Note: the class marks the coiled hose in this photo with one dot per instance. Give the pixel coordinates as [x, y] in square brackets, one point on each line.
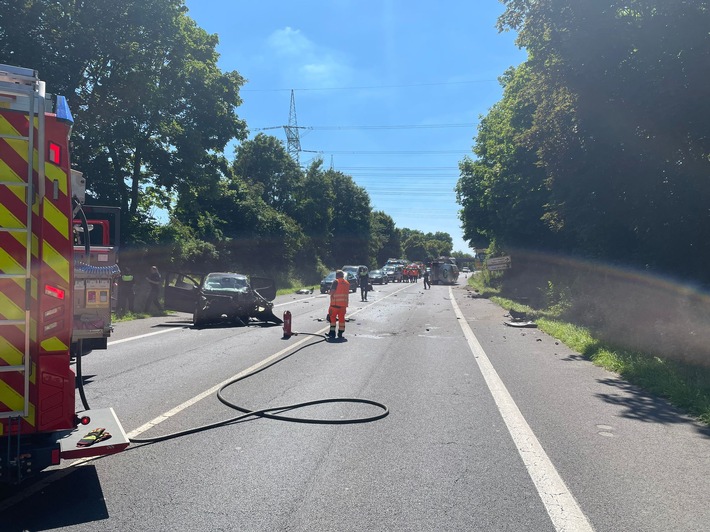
[270, 413]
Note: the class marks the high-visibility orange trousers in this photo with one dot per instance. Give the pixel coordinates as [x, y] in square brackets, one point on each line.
[339, 314]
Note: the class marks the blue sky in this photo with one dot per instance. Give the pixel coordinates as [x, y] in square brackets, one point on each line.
[387, 91]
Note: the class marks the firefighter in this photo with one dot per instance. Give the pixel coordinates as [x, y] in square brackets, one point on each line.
[126, 295]
[339, 293]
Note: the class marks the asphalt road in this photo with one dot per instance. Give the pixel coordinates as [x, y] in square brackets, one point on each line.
[489, 428]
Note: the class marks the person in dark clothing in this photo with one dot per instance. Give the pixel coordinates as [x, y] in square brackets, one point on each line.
[126, 294]
[155, 280]
[363, 280]
[427, 284]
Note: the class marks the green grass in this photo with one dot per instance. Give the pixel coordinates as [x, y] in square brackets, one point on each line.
[129, 316]
[685, 386]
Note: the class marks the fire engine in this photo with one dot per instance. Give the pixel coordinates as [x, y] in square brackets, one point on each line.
[54, 298]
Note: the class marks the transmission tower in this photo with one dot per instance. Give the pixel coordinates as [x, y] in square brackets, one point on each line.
[293, 138]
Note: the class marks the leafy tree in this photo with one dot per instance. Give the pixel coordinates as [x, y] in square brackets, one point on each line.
[385, 238]
[503, 191]
[266, 165]
[351, 220]
[420, 246]
[415, 247]
[620, 124]
[447, 243]
[314, 214]
[148, 99]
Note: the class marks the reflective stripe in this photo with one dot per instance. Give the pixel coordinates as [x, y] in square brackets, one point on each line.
[57, 218]
[54, 344]
[56, 261]
[339, 298]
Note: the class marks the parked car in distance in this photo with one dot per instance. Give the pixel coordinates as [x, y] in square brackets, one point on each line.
[326, 283]
[394, 273]
[350, 268]
[465, 269]
[378, 277]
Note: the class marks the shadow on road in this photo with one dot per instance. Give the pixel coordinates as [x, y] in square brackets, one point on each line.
[641, 405]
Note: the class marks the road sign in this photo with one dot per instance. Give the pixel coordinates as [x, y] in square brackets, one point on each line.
[499, 263]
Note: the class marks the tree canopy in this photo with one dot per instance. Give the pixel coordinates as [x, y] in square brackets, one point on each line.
[600, 144]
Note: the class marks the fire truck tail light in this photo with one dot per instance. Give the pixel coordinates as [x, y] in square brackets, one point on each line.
[55, 153]
[53, 291]
[56, 456]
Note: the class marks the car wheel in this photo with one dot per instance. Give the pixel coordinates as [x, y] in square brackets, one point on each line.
[198, 318]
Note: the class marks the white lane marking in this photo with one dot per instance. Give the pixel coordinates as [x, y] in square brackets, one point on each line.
[145, 335]
[64, 470]
[561, 506]
[115, 342]
[167, 415]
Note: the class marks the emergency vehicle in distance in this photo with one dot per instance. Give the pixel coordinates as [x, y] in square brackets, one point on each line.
[54, 298]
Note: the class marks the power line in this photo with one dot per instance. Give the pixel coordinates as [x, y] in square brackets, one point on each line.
[402, 86]
[403, 126]
[411, 152]
[400, 168]
[370, 128]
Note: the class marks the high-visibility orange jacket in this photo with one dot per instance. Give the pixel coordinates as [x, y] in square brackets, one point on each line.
[339, 296]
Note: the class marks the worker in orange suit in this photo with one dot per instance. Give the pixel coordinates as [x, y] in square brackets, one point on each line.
[339, 294]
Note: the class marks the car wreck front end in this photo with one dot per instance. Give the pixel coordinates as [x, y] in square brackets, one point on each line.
[222, 297]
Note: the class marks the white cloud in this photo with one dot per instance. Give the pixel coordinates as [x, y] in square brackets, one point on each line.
[289, 42]
[306, 63]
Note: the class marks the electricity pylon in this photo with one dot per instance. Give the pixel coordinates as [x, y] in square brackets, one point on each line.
[293, 138]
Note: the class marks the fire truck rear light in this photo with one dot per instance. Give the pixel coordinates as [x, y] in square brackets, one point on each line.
[53, 291]
[55, 153]
[55, 457]
[85, 420]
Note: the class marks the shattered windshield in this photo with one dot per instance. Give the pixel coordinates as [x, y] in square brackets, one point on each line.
[222, 282]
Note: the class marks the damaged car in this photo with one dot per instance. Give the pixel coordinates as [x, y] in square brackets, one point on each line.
[221, 297]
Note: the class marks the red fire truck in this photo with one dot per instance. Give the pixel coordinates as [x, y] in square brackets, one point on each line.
[51, 296]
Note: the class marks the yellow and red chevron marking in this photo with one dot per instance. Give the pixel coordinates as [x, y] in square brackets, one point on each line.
[51, 323]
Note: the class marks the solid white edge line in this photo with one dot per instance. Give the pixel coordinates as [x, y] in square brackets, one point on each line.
[561, 506]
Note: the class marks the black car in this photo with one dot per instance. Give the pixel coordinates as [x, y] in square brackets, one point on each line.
[327, 282]
[221, 297]
[378, 277]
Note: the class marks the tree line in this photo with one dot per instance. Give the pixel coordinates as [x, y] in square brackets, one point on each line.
[600, 145]
[153, 117]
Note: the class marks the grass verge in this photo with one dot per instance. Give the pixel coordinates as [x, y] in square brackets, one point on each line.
[685, 386]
